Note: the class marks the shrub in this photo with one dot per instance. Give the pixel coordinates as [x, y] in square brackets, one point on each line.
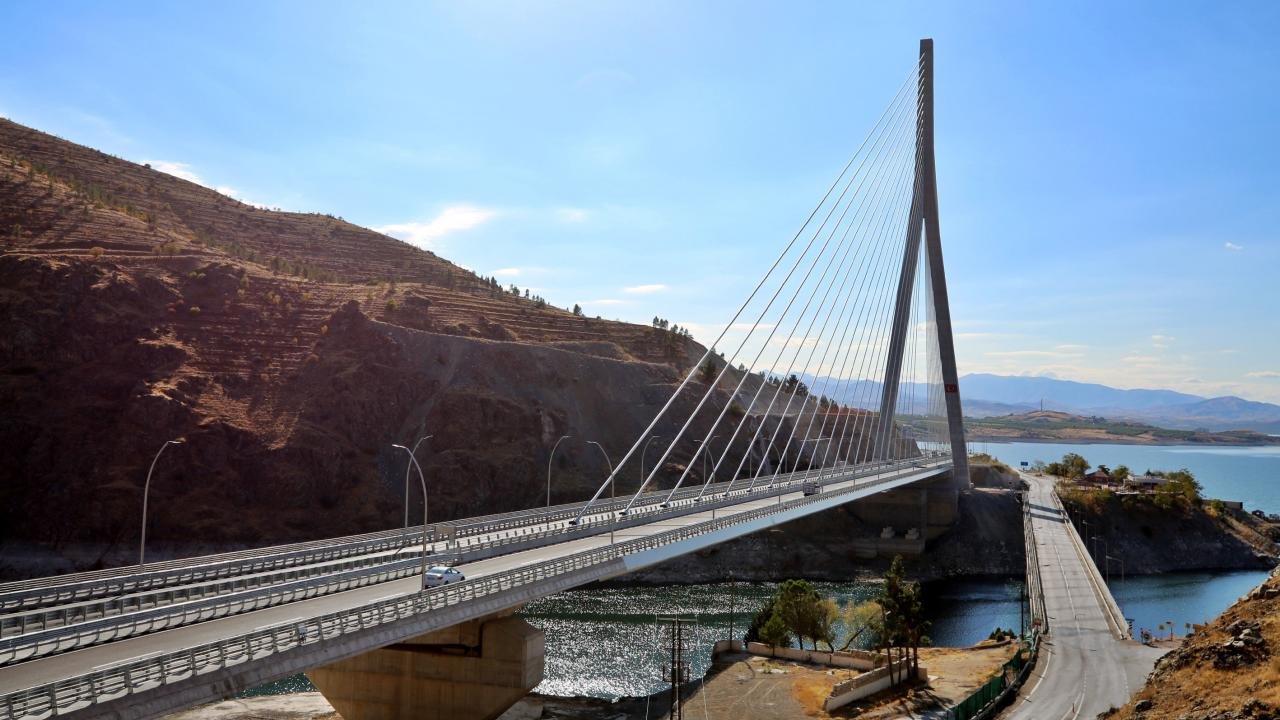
[194, 309]
[96, 252]
[392, 305]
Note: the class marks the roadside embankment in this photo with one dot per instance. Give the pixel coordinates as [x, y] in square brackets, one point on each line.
[1227, 670]
[1146, 538]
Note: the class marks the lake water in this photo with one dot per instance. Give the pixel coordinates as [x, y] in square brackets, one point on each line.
[601, 641]
[1251, 474]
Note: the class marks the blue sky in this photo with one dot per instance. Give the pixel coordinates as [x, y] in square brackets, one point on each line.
[1107, 171]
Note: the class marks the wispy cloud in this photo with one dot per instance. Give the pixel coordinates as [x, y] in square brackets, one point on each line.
[644, 289]
[608, 301]
[507, 272]
[1032, 353]
[454, 218]
[184, 172]
[176, 169]
[1232, 246]
[1264, 374]
[571, 215]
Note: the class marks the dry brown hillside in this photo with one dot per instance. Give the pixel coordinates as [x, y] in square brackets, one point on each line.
[1226, 670]
[290, 350]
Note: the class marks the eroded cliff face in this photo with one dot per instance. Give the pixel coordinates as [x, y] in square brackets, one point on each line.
[985, 540]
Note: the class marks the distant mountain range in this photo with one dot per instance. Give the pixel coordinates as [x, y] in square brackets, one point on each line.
[986, 395]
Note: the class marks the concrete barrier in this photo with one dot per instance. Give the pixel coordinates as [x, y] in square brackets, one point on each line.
[867, 684]
[858, 659]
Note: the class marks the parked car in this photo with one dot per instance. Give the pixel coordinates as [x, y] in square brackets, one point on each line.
[441, 575]
[811, 487]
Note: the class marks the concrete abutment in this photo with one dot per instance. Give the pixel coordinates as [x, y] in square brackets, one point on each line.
[472, 671]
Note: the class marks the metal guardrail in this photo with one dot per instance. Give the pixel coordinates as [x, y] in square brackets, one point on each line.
[40, 619]
[111, 613]
[1035, 588]
[128, 678]
[46, 641]
[113, 582]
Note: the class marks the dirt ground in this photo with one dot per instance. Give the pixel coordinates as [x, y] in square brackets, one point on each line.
[738, 686]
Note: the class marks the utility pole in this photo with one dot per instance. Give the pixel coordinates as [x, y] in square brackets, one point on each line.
[678, 667]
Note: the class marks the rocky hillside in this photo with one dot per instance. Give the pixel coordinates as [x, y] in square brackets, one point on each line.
[1226, 670]
[1151, 539]
[290, 351]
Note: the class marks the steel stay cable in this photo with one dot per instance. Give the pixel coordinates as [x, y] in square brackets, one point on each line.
[848, 249]
[775, 434]
[883, 264]
[795, 426]
[817, 258]
[711, 348]
[842, 355]
[867, 354]
[759, 389]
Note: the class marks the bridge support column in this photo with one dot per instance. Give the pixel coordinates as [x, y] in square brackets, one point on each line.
[473, 671]
[930, 507]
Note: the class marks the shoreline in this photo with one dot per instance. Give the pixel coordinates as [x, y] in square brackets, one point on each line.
[974, 437]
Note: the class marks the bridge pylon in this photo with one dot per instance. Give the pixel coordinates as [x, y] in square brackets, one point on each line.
[924, 217]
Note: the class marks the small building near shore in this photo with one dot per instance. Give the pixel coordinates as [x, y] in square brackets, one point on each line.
[1144, 482]
[1098, 477]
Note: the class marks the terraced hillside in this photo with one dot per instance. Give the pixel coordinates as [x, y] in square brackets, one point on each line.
[290, 350]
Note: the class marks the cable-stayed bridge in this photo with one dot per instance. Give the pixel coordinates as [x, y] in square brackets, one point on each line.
[856, 302]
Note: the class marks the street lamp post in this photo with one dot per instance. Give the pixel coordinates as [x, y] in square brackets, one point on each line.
[422, 479]
[613, 483]
[407, 468]
[549, 459]
[146, 489]
[642, 452]
[706, 450]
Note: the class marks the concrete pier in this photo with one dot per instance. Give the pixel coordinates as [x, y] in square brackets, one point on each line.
[472, 671]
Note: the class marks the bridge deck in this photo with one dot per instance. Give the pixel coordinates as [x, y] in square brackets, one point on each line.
[122, 676]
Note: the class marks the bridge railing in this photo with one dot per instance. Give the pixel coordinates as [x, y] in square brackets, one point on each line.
[116, 582]
[132, 677]
[113, 624]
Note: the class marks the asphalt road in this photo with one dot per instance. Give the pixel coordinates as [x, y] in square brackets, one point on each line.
[71, 664]
[1084, 669]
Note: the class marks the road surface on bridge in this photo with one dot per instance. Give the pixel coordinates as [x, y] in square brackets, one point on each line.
[71, 664]
[1084, 668]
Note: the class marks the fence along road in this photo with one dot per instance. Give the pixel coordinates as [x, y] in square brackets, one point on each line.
[219, 657]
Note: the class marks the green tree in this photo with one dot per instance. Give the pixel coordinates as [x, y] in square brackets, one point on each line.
[1074, 466]
[796, 603]
[774, 632]
[904, 624]
[577, 309]
[860, 619]
[707, 373]
[1122, 473]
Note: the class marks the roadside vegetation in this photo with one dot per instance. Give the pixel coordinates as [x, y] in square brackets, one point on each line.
[893, 622]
